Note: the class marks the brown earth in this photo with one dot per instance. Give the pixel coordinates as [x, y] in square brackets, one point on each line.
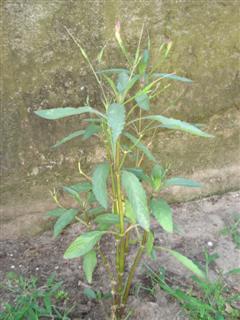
[200, 223]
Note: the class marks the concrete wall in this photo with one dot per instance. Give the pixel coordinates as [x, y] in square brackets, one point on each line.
[42, 67]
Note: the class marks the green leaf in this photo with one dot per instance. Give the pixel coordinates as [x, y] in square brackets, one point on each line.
[83, 244]
[171, 76]
[137, 198]
[140, 146]
[59, 113]
[107, 219]
[56, 212]
[157, 176]
[163, 213]
[81, 187]
[73, 193]
[187, 263]
[139, 173]
[64, 220]
[178, 181]
[111, 83]
[116, 120]
[175, 124]
[95, 211]
[90, 131]
[113, 70]
[129, 213]
[144, 62]
[89, 264]
[142, 101]
[122, 82]
[233, 271]
[149, 244]
[69, 137]
[99, 181]
[90, 293]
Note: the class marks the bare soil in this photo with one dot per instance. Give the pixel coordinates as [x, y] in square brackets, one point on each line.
[199, 222]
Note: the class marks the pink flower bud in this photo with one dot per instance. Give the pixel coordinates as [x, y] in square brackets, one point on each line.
[117, 27]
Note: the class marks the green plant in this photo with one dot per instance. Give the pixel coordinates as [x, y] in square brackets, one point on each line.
[113, 201]
[205, 300]
[32, 302]
[234, 231]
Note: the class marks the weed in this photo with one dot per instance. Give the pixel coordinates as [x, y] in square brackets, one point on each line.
[33, 302]
[204, 300]
[233, 230]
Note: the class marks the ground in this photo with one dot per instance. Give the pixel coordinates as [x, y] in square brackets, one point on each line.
[199, 223]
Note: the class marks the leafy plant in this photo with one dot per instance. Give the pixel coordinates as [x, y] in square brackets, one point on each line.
[233, 230]
[112, 200]
[32, 301]
[205, 300]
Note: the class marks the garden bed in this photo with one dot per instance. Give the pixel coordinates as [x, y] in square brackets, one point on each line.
[205, 224]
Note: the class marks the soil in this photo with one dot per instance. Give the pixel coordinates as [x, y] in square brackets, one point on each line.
[199, 227]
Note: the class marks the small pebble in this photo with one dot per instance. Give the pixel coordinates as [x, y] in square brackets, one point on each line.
[210, 244]
[12, 267]
[57, 267]
[37, 269]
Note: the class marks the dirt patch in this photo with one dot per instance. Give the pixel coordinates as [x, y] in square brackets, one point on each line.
[199, 223]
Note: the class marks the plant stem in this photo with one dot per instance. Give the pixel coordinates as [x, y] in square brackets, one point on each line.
[120, 255]
[134, 267]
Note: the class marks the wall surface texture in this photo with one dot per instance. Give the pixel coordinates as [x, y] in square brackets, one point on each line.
[41, 67]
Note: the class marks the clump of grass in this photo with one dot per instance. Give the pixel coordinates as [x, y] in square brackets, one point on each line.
[205, 299]
[233, 230]
[33, 302]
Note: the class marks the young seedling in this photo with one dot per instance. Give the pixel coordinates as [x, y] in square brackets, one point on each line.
[112, 200]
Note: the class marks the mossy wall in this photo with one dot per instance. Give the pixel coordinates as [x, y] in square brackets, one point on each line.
[42, 68]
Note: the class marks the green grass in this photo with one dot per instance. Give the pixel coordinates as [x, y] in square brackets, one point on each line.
[29, 301]
[233, 230]
[204, 300]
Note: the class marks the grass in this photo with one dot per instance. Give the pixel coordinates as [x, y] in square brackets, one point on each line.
[233, 230]
[204, 299]
[31, 301]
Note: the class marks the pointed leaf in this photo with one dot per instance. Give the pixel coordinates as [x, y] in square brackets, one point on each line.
[90, 131]
[64, 220]
[116, 120]
[144, 62]
[59, 113]
[139, 173]
[83, 244]
[73, 193]
[90, 293]
[113, 70]
[129, 213]
[111, 83]
[81, 187]
[187, 263]
[143, 101]
[89, 264]
[140, 146]
[157, 176]
[171, 76]
[107, 219]
[178, 181]
[137, 198]
[171, 123]
[99, 181]
[163, 214]
[69, 137]
[56, 212]
[149, 244]
[122, 82]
